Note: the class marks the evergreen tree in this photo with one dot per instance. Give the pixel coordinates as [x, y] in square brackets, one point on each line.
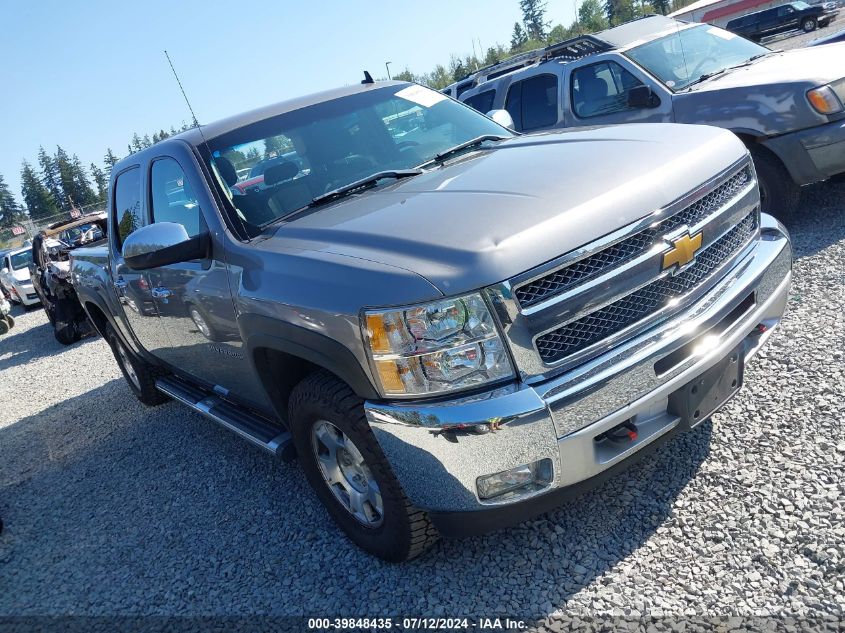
[661, 6]
[39, 202]
[519, 38]
[533, 14]
[64, 169]
[82, 186]
[101, 181]
[50, 178]
[591, 17]
[10, 211]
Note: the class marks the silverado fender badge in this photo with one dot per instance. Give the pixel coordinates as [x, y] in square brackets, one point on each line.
[683, 250]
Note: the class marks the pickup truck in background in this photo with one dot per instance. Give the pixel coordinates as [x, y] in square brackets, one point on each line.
[788, 107]
[454, 327]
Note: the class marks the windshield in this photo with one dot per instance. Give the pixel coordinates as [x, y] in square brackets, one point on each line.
[302, 154]
[683, 57]
[21, 260]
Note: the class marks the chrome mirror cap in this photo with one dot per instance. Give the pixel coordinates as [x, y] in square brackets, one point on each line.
[502, 117]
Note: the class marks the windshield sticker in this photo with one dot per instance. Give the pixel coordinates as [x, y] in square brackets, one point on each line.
[421, 96]
[725, 35]
[670, 83]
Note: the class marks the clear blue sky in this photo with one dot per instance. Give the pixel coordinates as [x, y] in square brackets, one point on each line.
[86, 75]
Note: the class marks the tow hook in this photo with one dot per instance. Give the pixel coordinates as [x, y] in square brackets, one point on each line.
[620, 434]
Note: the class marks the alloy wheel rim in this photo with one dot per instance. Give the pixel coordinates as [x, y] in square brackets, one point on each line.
[202, 326]
[346, 474]
[127, 366]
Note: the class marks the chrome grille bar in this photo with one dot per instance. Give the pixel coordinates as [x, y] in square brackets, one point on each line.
[563, 279]
[584, 332]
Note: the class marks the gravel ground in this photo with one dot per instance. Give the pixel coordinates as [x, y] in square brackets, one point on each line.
[112, 508]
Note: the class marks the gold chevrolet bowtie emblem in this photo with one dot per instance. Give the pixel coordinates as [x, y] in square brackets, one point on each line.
[683, 251]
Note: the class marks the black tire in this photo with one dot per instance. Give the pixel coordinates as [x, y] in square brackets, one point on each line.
[779, 194]
[809, 24]
[10, 320]
[66, 333]
[145, 374]
[4, 327]
[405, 531]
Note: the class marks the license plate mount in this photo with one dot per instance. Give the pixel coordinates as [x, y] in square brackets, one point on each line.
[700, 398]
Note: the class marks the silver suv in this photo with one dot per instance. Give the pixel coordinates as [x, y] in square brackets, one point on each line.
[787, 107]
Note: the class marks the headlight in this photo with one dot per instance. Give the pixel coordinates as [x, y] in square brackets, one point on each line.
[824, 100]
[436, 347]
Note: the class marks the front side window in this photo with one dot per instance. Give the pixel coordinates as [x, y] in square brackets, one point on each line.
[127, 204]
[532, 103]
[483, 101]
[683, 57]
[310, 151]
[173, 200]
[601, 89]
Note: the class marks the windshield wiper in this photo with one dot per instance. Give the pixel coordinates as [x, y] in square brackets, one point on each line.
[748, 61]
[364, 183]
[705, 77]
[478, 140]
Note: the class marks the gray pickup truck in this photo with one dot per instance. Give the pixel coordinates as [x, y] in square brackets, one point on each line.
[452, 326]
[787, 107]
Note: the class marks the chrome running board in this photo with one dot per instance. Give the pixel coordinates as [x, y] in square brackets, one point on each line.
[250, 426]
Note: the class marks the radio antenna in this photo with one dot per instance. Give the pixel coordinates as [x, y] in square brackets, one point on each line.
[194, 116]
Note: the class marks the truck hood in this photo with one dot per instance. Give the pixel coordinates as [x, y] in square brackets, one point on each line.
[496, 213]
[808, 67]
[765, 98]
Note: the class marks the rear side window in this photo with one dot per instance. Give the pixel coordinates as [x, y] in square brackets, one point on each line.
[127, 204]
[483, 101]
[173, 200]
[532, 103]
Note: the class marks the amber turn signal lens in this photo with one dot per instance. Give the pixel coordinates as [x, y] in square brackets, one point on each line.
[824, 100]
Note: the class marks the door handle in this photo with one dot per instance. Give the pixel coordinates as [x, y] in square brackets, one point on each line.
[120, 284]
[160, 293]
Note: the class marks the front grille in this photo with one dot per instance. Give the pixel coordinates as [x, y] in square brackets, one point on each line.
[559, 281]
[617, 316]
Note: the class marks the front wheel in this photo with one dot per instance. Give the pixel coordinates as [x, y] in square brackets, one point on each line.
[779, 195]
[139, 374]
[809, 24]
[347, 469]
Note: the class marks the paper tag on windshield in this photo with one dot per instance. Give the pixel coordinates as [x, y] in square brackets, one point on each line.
[725, 35]
[421, 96]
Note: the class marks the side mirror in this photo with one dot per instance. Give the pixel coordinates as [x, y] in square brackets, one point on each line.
[162, 244]
[503, 118]
[642, 97]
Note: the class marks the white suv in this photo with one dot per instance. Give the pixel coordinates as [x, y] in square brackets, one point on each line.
[15, 278]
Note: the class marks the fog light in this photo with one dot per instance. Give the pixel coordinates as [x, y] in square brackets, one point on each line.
[520, 481]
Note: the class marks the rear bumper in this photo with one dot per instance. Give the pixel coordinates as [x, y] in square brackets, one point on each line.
[814, 154]
[438, 465]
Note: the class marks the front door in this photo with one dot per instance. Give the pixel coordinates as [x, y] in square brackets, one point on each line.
[132, 287]
[598, 95]
[193, 298]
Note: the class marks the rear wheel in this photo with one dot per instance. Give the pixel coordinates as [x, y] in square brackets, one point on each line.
[139, 374]
[347, 469]
[779, 195]
[809, 24]
[66, 333]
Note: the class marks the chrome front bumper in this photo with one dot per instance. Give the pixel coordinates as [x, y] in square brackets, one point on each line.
[437, 453]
